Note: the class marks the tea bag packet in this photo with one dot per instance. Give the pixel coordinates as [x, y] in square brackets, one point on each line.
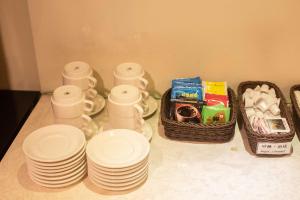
[216, 110]
[186, 89]
[186, 98]
[217, 88]
[215, 93]
[215, 114]
[213, 99]
[188, 92]
[196, 80]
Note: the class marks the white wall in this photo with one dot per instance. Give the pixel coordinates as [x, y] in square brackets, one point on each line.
[17, 57]
[219, 40]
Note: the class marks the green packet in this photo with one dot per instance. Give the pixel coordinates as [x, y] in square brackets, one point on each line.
[217, 114]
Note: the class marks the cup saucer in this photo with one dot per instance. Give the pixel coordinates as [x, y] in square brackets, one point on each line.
[99, 102]
[147, 130]
[152, 103]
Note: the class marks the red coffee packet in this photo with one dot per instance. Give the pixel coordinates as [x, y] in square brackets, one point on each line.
[214, 99]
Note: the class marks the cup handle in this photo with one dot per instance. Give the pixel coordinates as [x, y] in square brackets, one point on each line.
[139, 109]
[145, 106]
[143, 83]
[85, 126]
[91, 93]
[92, 82]
[140, 124]
[145, 94]
[88, 105]
[86, 119]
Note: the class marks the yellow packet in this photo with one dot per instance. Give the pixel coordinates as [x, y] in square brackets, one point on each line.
[218, 88]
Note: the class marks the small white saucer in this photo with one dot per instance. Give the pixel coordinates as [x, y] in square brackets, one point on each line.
[152, 103]
[147, 130]
[99, 102]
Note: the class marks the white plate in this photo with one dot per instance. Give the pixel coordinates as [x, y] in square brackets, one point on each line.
[117, 171]
[114, 173]
[99, 102]
[118, 148]
[119, 188]
[58, 181]
[53, 143]
[118, 179]
[62, 172]
[59, 177]
[59, 185]
[120, 183]
[152, 103]
[57, 165]
[147, 130]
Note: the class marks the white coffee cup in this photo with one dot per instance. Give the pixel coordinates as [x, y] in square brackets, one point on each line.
[125, 101]
[84, 122]
[69, 101]
[132, 74]
[124, 104]
[80, 74]
[133, 123]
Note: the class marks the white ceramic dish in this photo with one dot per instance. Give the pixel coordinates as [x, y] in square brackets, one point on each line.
[99, 104]
[132, 148]
[116, 178]
[58, 181]
[59, 185]
[152, 104]
[57, 165]
[116, 171]
[62, 172]
[119, 188]
[59, 177]
[119, 183]
[147, 131]
[54, 143]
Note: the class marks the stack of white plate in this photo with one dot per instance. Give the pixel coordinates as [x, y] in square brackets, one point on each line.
[55, 155]
[118, 159]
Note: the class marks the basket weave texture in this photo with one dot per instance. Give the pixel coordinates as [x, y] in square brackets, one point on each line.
[255, 137]
[296, 109]
[198, 132]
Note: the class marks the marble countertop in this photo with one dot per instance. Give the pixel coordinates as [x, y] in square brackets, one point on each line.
[178, 170]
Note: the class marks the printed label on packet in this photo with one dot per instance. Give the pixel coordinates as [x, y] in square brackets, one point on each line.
[274, 148]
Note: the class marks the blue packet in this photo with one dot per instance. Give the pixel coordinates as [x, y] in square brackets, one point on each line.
[183, 81]
[190, 92]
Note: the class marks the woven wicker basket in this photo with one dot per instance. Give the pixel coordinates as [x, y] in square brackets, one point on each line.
[254, 137]
[198, 132]
[296, 109]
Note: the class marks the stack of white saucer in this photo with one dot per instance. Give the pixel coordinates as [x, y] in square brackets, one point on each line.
[55, 155]
[118, 159]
